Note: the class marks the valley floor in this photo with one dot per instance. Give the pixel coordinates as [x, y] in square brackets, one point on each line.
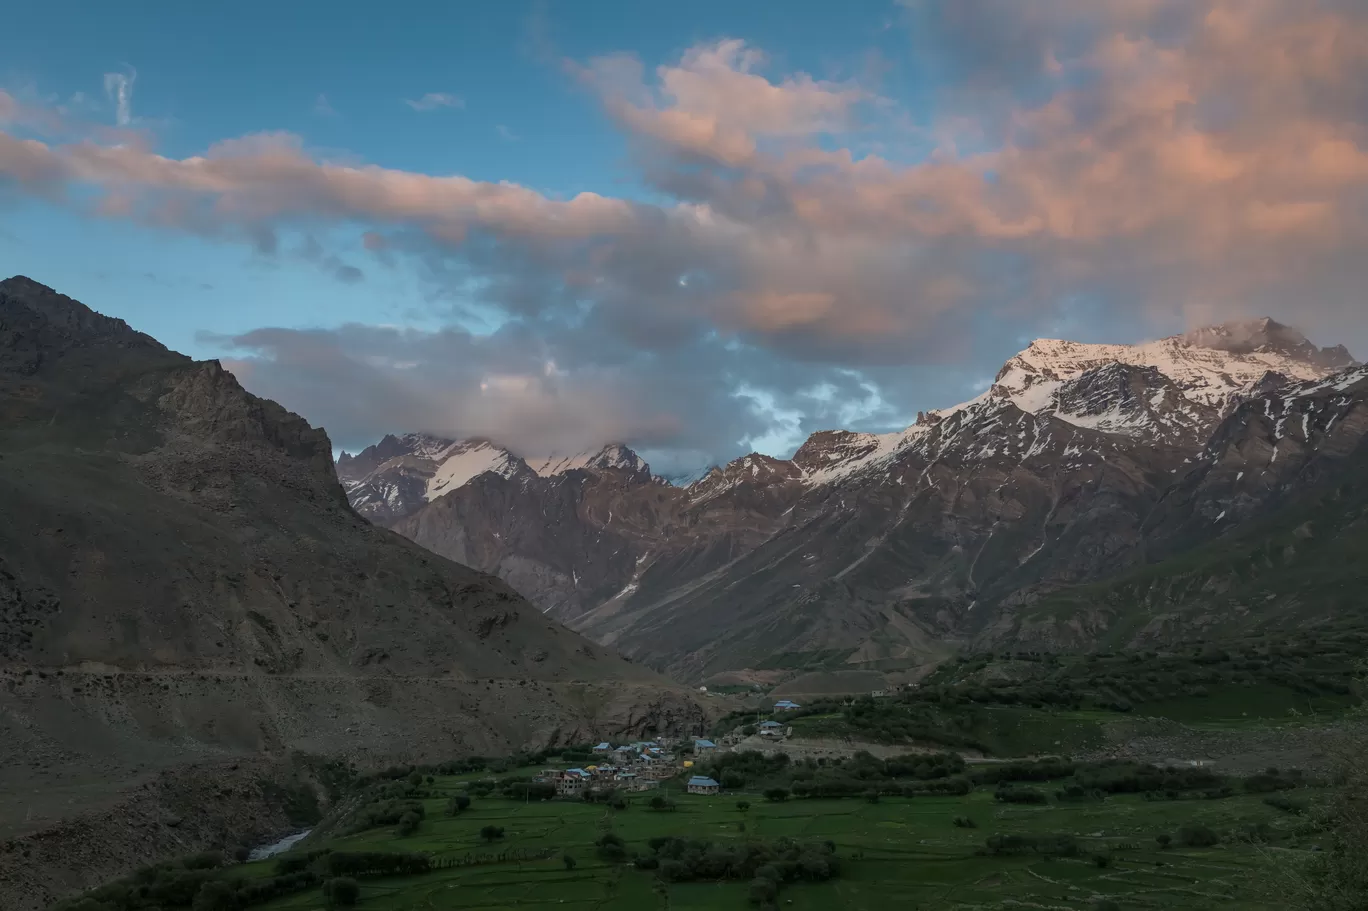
[898, 853]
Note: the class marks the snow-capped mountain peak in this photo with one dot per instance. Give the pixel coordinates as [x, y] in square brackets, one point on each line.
[614, 455]
[1168, 392]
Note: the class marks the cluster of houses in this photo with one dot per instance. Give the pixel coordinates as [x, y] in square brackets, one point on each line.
[638, 766]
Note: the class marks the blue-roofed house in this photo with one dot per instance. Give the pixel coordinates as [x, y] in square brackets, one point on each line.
[783, 705]
[571, 781]
[701, 784]
[604, 747]
[771, 729]
[704, 746]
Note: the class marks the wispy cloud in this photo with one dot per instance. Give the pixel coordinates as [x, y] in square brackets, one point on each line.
[505, 133]
[433, 101]
[322, 107]
[119, 89]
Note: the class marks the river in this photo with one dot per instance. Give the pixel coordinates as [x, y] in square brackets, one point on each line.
[279, 847]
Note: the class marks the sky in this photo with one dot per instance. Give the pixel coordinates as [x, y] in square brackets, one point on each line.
[701, 228]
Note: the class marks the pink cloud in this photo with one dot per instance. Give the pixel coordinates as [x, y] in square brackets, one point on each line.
[1225, 159]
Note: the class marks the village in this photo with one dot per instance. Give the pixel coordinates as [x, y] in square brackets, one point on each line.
[643, 765]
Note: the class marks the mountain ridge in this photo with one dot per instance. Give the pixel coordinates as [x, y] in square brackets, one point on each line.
[882, 547]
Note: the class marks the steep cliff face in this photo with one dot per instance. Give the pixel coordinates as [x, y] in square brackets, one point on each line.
[181, 580]
[878, 549]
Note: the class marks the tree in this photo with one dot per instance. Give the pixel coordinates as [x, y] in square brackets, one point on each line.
[1196, 835]
[492, 833]
[408, 824]
[611, 848]
[763, 891]
[568, 861]
[215, 895]
[1336, 878]
[341, 892]
[458, 804]
[743, 805]
[1164, 840]
[415, 778]
[871, 796]
[777, 795]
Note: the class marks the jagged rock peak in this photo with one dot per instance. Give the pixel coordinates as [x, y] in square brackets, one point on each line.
[1266, 335]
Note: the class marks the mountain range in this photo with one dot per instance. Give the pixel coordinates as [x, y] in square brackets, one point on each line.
[1079, 464]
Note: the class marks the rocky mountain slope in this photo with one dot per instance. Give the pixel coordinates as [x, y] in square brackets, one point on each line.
[1267, 531]
[879, 551]
[182, 581]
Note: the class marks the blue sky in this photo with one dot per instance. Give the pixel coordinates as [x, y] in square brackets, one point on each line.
[699, 227]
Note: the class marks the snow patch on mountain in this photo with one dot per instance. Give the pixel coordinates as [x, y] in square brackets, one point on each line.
[460, 462]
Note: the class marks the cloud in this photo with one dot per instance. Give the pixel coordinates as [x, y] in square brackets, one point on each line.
[1118, 167]
[119, 90]
[505, 133]
[322, 107]
[433, 101]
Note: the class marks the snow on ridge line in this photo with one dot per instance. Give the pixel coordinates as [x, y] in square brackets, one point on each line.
[463, 462]
[614, 455]
[1032, 379]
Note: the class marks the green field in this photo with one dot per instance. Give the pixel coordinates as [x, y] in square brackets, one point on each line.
[898, 853]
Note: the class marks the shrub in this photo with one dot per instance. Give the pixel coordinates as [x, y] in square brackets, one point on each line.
[342, 892]
[568, 861]
[1287, 804]
[492, 833]
[408, 824]
[763, 890]
[1061, 845]
[1196, 835]
[215, 895]
[1101, 861]
[964, 822]
[1164, 840]
[743, 805]
[776, 795]
[1018, 794]
[611, 848]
